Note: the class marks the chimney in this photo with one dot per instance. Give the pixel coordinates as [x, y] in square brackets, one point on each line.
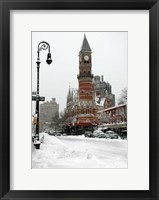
[102, 79]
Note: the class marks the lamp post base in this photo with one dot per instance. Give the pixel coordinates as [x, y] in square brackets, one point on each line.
[37, 144]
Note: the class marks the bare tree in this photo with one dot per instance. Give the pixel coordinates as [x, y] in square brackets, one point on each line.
[54, 122]
[61, 117]
[57, 120]
[123, 97]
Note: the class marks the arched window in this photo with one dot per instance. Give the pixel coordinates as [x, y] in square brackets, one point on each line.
[86, 61]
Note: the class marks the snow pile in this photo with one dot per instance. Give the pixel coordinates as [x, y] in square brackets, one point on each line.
[54, 154]
[75, 152]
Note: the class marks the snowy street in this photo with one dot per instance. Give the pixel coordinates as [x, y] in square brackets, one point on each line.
[80, 152]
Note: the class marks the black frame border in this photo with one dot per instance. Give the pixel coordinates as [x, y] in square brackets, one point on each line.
[5, 7]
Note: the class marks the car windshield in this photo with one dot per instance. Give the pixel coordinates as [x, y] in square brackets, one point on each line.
[110, 132]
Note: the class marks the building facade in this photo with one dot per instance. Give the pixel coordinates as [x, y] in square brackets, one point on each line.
[114, 117]
[103, 93]
[49, 111]
[81, 109]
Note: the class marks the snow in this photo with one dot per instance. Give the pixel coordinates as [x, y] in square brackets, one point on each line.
[79, 152]
[99, 101]
[36, 142]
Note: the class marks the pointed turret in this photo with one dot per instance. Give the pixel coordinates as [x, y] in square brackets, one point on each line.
[85, 45]
[69, 92]
[69, 95]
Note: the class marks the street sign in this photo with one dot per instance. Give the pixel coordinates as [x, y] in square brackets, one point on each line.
[38, 98]
[33, 98]
[41, 98]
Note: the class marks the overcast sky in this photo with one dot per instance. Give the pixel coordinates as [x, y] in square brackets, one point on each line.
[109, 58]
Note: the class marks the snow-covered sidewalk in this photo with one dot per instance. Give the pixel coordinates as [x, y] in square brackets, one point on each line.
[79, 152]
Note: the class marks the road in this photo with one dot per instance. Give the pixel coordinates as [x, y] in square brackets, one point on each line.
[110, 151]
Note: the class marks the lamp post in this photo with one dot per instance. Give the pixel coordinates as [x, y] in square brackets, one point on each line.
[41, 46]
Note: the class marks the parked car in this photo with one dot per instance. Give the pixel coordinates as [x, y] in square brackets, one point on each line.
[47, 130]
[104, 129]
[52, 132]
[112, 135]
[97, 133]
[102, 135]
[123, 134]
[88, 134]
[57, 133]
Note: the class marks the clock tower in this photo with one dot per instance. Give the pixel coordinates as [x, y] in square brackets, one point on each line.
[87, 106]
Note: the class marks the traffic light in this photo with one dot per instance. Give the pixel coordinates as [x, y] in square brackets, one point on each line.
[35, 119]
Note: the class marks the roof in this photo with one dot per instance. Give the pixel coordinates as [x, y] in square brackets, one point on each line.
[111, 108]
[85, 45]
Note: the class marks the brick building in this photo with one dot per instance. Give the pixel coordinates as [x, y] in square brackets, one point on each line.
[114, 117]
[81, 109]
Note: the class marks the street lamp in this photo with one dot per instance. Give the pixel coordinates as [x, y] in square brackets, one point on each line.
[41, 46]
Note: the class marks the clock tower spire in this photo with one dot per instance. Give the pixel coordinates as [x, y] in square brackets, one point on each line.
[85, 45]
[85, 75]
[87, 104]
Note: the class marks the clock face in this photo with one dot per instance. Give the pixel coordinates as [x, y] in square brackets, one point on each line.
[86, 58]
